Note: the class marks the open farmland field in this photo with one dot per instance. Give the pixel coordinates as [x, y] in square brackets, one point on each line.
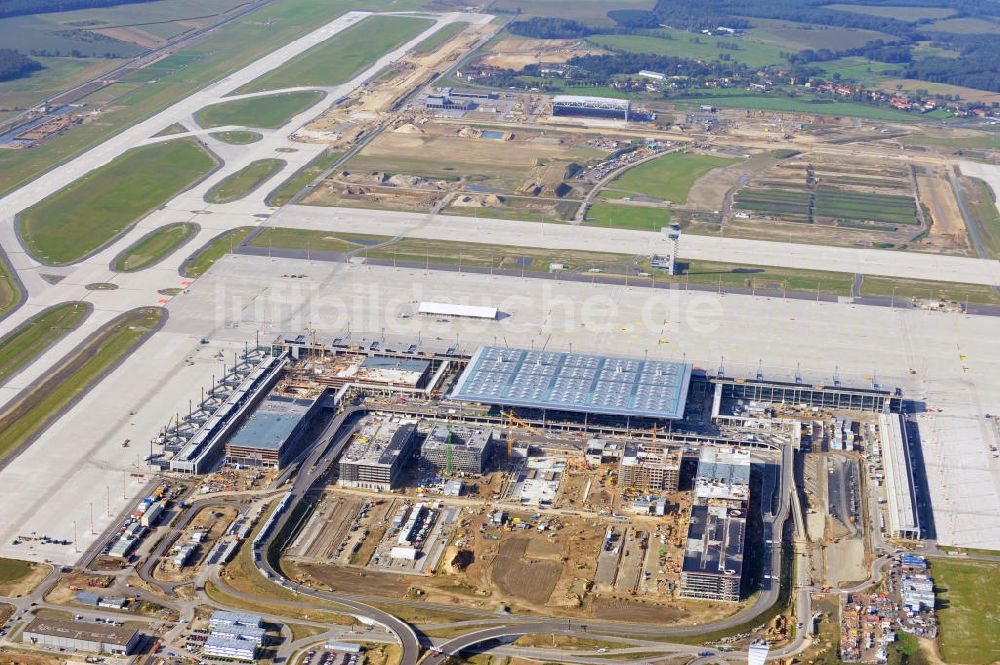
[818, 106]
[237, 185]
[154, 247]
[847, 205]
[838, 201]
[787, 204]
[141, 25]
[965, 26]
[345, 54]
[593, 12]
[668, 178]
[960, 92]
[799, 36]
[683, 44]
[898, 12]
[968, 616]
[268, 112]
[105, 203]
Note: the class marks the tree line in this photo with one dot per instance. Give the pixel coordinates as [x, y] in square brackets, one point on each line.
[14, 64]
[23, 7]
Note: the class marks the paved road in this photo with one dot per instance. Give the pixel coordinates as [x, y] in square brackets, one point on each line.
[513, 233]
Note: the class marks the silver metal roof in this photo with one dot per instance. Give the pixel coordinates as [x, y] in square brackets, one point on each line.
[575, 382]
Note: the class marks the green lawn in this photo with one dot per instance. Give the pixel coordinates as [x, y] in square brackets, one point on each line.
[976, 294]
[229, 48]
[268, 112]
[984, 210]
[39, 405]
[237, 137]
[639, 218]
[97, 208]
[440, 37]
[800, 105]
[154, 247]
[289, 188]
[316, 241]
[23, 344]
[343, 55]
[237, 185]
[668, 178]
[968, 610]
[10, 290]
[12, 570]
[198, 263]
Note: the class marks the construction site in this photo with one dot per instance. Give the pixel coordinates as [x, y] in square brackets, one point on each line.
[622, 487]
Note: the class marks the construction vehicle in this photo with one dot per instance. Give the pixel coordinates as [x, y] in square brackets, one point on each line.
[513, 420]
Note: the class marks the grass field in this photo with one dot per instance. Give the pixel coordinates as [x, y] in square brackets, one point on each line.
[293, 185]
[967, 612]
[799, 105]
[237, 185]
[84, 216]
[794, 36]
[683, 44]
[668, 178]
[592, 12]
[36, 407]
[845, 204]
[10, 290]
[228, 49]
[981, 141]
[316, 241]
[238, 137]
[268, 112]
[639, 218]
[198, 263]
[23, 344]
[59, 74]
[440, 37]
[899, 12]
[12, 570]
[154, 247]
[984, 210]
[975, 294]
[965, 26]
[339, 58]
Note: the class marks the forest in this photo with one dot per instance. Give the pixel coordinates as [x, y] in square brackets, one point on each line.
[14, 64]
[22, 7]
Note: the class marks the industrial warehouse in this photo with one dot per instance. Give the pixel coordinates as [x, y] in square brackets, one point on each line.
[80, 636]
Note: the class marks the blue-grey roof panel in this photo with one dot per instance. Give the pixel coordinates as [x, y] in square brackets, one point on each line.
[575, 382]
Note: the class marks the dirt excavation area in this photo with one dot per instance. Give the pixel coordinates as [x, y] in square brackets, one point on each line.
[371, 104]
[548, 561]
[948, 234]
[517, 52]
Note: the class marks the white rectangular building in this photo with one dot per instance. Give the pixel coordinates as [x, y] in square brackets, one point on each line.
[465, 311]
[221, 647]
[903, 521]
